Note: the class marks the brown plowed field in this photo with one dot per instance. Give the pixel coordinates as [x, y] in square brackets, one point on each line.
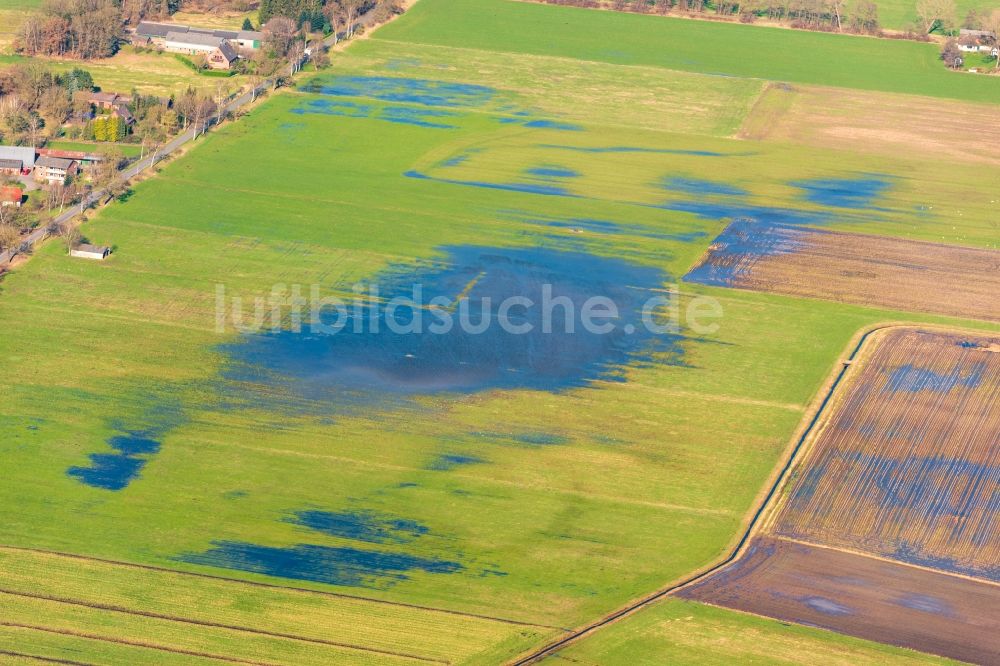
[909, 465]
[855, 268]
[875, 122]
[861, 596]
[889, 527]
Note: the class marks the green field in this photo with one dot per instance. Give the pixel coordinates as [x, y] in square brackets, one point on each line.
[713, 48]
[128, 150]
[500, 518]
[150, 73]
[901, 14]
[681, 632]
[12, 14]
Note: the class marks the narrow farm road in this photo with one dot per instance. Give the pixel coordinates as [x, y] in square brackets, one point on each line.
[840, 370]
[131, 171]
[135, 168]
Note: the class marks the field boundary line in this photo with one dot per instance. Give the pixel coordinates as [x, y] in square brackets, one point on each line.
[47, 660]
[801, 436]
[507, 483]
[215, 625]
[887, 560]
[123, 641]
[274, 586]
[587, 61]
[521, 91]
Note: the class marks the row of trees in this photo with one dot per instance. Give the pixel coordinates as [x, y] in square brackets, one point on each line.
[942, 16]
[36, 105]
[859, 16]
[329, 16]
[34, 102]
[76, 28]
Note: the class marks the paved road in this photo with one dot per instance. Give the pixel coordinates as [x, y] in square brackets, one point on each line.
[133, 169]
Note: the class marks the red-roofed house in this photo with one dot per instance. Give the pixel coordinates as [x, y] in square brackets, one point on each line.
[11, 196]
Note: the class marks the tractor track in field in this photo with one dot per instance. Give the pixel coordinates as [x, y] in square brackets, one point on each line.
[216, 625]
[274, 586]
[755, 519]
[47, 660]
[131, 643]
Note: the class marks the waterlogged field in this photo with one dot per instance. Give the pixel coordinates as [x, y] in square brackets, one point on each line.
[926, 494]
[255, 486]
[905, 469]
[869, 270]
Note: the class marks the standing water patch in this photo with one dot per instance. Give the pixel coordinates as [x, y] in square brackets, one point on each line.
[483, 318]
[360, 525]
[407, 90]
[351, 567]
[843, 192]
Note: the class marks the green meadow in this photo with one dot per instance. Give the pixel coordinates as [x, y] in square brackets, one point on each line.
[681, 632]
[722, 49]
[502, 517]
[12, 14]
[902, 14]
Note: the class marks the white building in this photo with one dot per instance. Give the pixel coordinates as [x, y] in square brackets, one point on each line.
[85, 251]
[16, 159]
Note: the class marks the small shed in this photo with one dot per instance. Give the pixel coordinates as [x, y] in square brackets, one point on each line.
[86, 251]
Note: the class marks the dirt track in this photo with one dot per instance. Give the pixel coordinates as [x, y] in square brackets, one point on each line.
[889, 530]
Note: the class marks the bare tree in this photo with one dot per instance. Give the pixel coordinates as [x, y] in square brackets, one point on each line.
[55, 229]
[296, 53]
[335, 15]
[255, 81]
[34, 124]
[279, 34]
[318, 54]
[351, 9]
[221, 94]
[14, 216]
[951, 54]
[71, 238]
[992, 24]
[864, 17]
[837, 9]
[936, 13]
[85, 191]
[9, 238]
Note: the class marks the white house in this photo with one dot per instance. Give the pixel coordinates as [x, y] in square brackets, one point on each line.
[219, 52]
[976, 41]
[159, 34]
[191, 42]
[85, 251]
